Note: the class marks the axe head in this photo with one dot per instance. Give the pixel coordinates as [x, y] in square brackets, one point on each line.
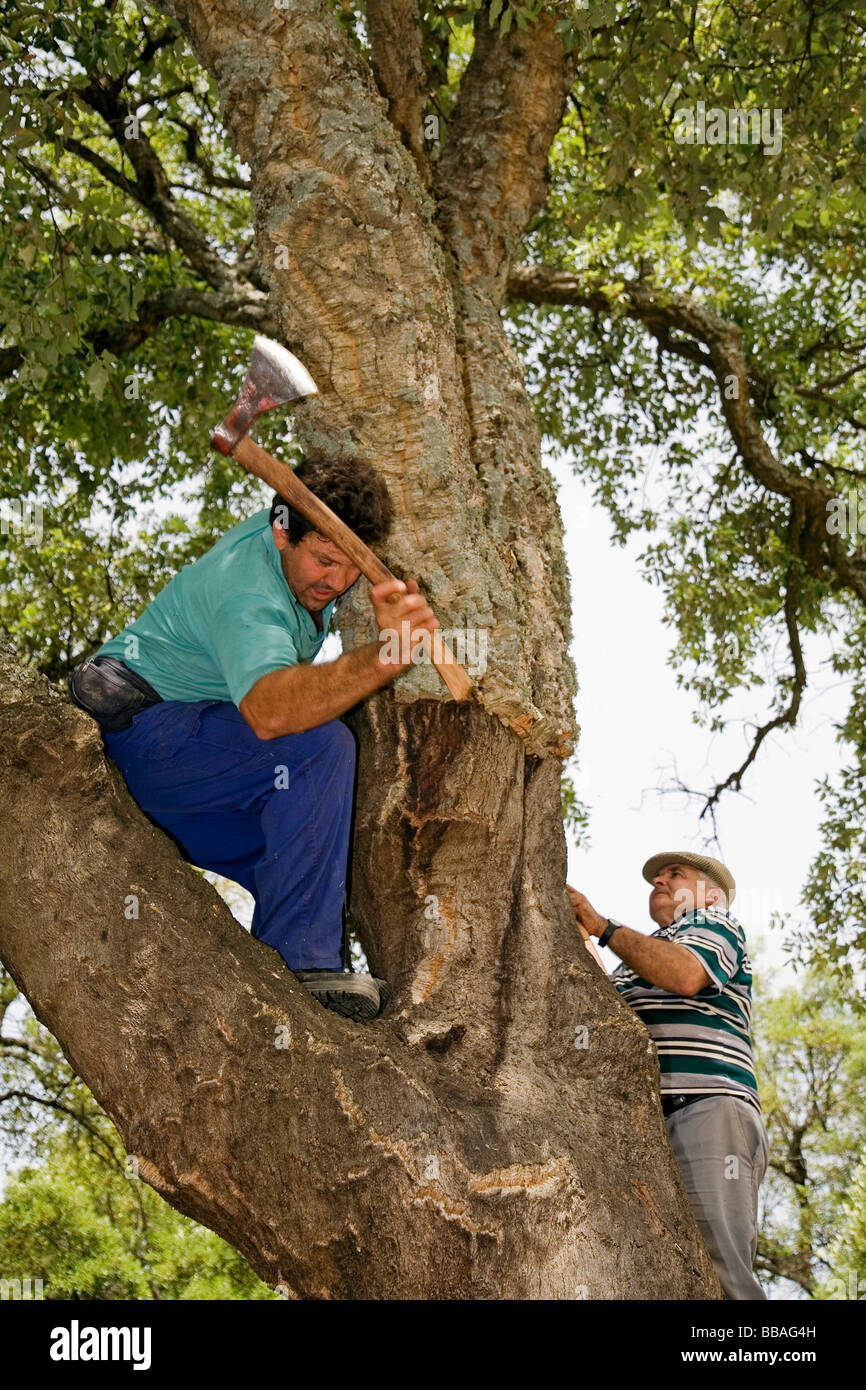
[275, 377]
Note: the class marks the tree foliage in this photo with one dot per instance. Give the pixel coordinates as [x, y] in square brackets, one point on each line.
[811, 1066]
[118, 189]
[74, 1212]
[849, 1251]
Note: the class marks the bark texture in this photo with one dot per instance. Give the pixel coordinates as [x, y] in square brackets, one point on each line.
[498, 1133]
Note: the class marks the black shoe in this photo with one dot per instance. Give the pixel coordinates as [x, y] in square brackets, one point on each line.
[359, 997]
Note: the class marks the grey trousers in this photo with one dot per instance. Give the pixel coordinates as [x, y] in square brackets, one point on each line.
[721, 1147]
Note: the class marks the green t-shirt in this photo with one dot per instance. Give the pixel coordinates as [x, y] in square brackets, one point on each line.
[221, 623]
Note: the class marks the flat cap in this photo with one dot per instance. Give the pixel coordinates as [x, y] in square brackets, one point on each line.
[712, 869]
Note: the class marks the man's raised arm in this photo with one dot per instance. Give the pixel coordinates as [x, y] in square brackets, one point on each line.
[296, 698]
[663, 963]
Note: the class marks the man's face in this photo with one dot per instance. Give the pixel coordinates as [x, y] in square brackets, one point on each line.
[679, 888]
[316, 570]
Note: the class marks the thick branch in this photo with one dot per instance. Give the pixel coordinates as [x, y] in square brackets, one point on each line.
[400, 68]
[719, 344]
[492, 175]
[344, 1161]
[244, 307]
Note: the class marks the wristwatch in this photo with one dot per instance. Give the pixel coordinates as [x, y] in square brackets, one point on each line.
[609, 930]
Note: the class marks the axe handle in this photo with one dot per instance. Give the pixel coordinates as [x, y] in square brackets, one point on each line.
[590, 946]
[282, 479]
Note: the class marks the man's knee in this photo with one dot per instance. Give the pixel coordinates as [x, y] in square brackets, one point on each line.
[341, 737]
[338, 740]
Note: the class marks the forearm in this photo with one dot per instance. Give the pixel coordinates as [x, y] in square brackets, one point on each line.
[297, 698]
[662, 963]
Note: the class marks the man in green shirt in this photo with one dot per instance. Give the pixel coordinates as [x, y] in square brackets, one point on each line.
[690, 982]
[230, 738]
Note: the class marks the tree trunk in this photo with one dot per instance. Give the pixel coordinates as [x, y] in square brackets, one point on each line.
[498, 1134]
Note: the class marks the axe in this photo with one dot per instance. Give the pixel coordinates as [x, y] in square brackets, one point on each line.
[275, 378]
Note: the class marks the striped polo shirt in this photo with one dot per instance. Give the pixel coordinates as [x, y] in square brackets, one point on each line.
[703, 1041]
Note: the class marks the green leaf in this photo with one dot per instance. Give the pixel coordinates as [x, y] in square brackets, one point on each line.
[97, 379]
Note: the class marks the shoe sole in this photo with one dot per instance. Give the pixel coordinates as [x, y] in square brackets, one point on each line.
[384, 993]
[358, 998]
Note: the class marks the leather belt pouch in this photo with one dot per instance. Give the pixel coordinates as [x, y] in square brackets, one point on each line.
[110, 692]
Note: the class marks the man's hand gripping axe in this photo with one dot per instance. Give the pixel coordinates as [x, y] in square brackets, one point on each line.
[275, 378]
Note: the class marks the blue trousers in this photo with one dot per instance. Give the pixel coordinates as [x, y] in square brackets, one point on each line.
[271, 814]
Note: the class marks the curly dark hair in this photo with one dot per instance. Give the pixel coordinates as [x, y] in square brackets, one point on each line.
[351, 488]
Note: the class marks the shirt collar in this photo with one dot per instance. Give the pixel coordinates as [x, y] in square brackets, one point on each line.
[305, 617]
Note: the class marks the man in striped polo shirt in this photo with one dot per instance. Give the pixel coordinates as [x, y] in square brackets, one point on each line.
[691, 983]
